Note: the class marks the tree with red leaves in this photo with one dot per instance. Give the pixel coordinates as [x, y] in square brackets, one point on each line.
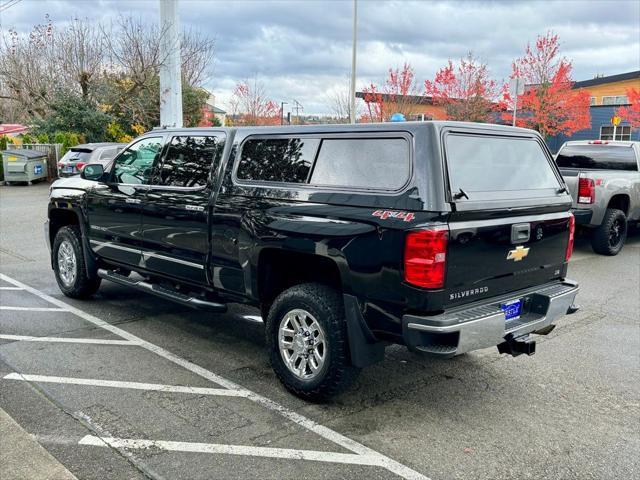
[375, 105]
[250, 105]
[549, 104]
[631, 113]
[466, 91]
[401, 90]
[399, 94]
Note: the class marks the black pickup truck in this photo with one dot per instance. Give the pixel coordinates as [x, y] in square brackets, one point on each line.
[445, 237]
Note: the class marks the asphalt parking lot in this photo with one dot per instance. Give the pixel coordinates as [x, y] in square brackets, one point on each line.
[130, 386]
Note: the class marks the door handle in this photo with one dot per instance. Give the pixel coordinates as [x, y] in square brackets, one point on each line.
[520, 232]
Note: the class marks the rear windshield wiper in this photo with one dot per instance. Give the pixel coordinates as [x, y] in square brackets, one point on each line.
[461, 193]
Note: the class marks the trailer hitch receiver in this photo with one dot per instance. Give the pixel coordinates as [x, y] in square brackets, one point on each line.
[518, 346]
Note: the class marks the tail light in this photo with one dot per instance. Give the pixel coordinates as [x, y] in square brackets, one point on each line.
[425, 253]
[60, 164]
[586, 190]
[80, 166]
[572, 234]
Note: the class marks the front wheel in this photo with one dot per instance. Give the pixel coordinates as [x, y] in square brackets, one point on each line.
[69, 264]
[609, 237]
[308, 343]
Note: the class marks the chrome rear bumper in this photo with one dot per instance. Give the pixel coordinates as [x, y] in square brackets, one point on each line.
[482, 324]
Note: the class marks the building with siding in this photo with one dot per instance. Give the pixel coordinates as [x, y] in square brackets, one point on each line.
[416, 107]
[607, 95]
[210, 111]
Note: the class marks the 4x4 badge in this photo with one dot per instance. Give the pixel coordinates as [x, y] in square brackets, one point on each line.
[384, 214]
[518, 254]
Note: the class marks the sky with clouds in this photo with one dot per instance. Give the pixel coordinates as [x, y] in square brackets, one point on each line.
[301, 49]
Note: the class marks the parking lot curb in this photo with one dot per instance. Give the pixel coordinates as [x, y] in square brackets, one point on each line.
[22, 457]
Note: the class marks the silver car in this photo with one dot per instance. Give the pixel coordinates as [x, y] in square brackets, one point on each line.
[77, 157]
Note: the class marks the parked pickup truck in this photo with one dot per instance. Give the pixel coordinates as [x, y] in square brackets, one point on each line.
[445, 237]
[604, 180]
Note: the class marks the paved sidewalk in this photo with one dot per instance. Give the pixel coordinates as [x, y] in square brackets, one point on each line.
[22, 458]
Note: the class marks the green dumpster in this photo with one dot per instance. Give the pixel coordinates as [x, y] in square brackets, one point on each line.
[24, 165]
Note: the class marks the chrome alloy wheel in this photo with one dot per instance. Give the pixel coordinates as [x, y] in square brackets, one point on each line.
[302, 344]
[67, 264]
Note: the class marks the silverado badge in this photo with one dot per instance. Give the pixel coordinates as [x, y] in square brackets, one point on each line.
[518, 254]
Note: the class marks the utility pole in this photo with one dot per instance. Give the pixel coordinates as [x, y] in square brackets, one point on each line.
[352, 93]
[170, 74]
[282, 104]
[298, 107]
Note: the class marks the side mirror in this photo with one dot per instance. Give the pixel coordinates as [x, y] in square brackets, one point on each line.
[92, 171]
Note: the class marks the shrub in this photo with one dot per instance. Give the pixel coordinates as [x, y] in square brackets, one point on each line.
[72, 113]
[68, 140]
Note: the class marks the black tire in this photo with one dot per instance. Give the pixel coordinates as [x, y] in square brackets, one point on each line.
[326, 306]
[609, 237]
[80, 285]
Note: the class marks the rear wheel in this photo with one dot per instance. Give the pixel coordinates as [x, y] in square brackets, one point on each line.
[308, 343]
[609, 237]
[69, 264]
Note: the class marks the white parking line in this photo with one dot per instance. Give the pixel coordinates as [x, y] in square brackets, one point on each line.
[33, 309]
[322, 431]
[317, 456]
[10, 288]
[94, 341]
[130, 385]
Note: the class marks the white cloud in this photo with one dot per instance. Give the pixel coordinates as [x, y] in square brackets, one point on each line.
[302, 49]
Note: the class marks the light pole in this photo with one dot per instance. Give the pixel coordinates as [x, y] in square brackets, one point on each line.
[170, 78]
[352, 93]
[282, 104]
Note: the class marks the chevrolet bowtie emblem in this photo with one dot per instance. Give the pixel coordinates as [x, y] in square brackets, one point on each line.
[518, 254]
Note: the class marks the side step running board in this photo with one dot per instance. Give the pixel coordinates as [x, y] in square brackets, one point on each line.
[163, 292]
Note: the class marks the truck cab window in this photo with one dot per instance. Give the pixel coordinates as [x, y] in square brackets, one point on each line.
[188, 161]
[285, 160]
[134, 164]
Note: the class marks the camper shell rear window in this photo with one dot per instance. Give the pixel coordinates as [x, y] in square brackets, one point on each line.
[494, 167]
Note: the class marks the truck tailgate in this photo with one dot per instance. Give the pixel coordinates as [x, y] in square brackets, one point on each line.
[571, 178]
[493, 256]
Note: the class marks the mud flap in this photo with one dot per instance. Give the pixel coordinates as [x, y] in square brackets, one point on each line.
[364, 348]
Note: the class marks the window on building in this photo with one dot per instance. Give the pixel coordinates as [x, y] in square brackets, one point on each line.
[615, 100]
[188, 161]
[419, 117]
[592, 101]
[623, 132]
[376, 163]
[277, 159]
